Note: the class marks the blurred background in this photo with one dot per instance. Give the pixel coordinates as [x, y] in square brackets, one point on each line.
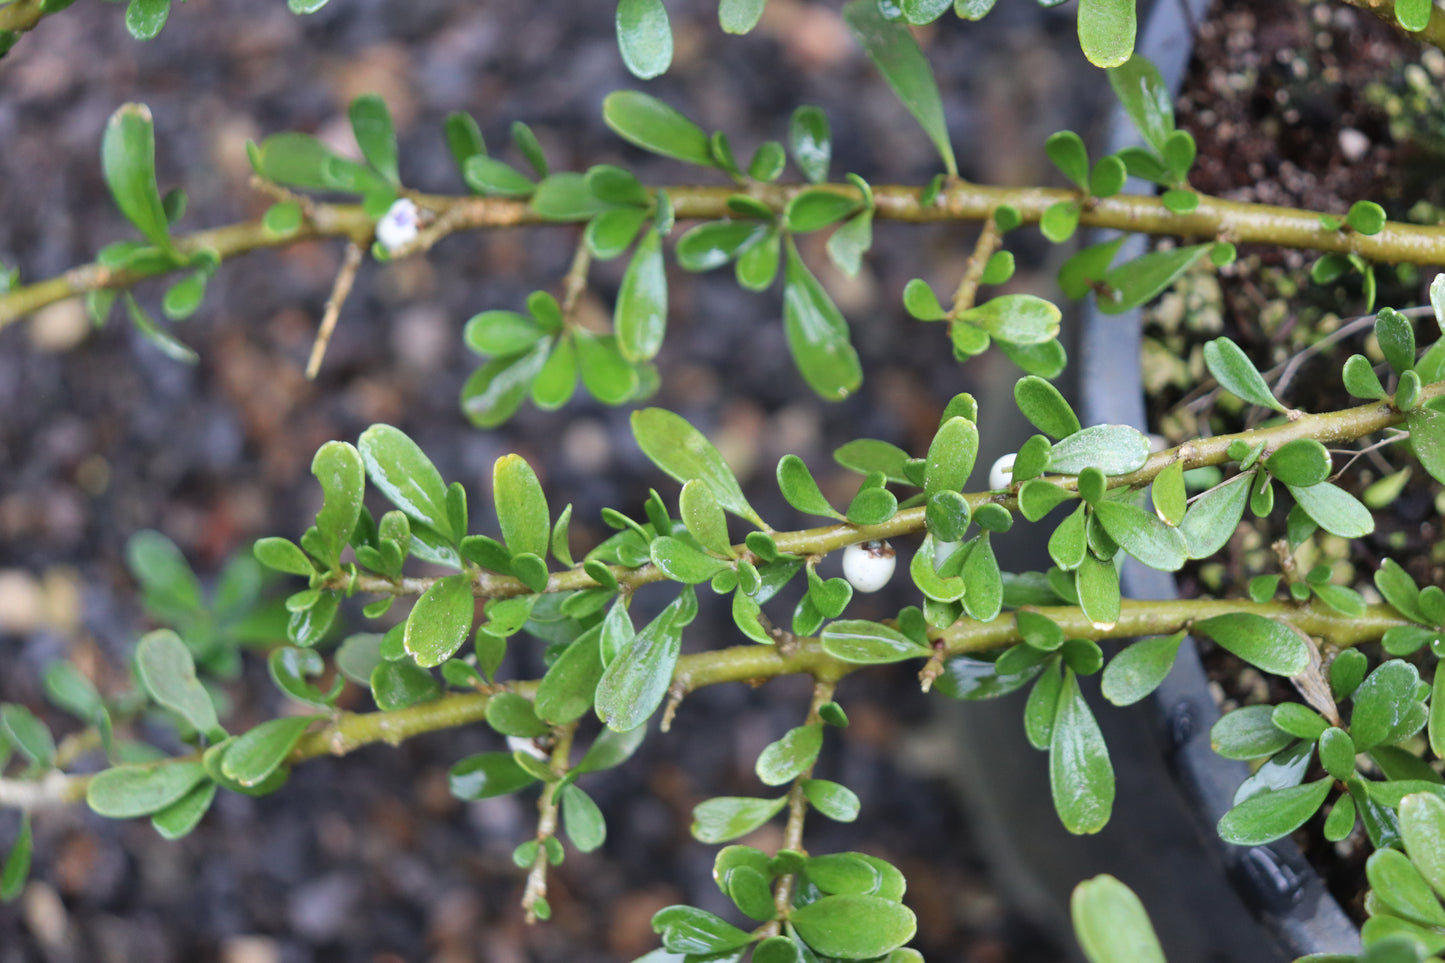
[369, 858]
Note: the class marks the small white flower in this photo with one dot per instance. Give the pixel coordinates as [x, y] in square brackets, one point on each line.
[1002, 472]
[398, 226]
[868, 565]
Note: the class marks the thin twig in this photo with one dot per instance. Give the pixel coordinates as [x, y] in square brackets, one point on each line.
[983, 250]
[345, 277]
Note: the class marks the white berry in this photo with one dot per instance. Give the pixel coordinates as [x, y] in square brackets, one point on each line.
[1002, 472]
[398, 226]
[868, 565]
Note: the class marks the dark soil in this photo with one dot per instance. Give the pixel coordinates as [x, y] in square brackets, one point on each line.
[369, 857]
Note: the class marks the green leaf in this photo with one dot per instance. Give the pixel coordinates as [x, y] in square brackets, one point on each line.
[868, 455]
[951, 456]
[404, 474]
[1272, 646]
[1066, 149]
[1236, 374]
[1414, 15]
[501, 332]
[789, 757]
[521, 506]
[739, 16]
[27, 733]
[145, 18]
[644, 37]
[1396, 882]
[1139, 669]
[1427, 439]
[1139, 280]
[641, 315]
[812, 209]
[854, 927]
[1301, 462]
[832, 799]
[565, 692]
[487, 175]
[1044, 406]
[66, 687]
[375, 135]
[1042, 706]
[681, 561]
[685, 929]
[338, 467]
[257, 753]
[1366, 217]
[817, 332]
[1113, 449]
[1212, 519]
[128, 161]
[185, 296]
[1336, 510]
[1273, 813]
[1337, 753]
[164, 666]
[183, 815]
[647, 122]
[1106, 31]
[714, 243]
[800, 490]
[1097, 583]
[984, 598]
[1387, 710]
[725, 818]
[894, 51]
[398, 684]
[810, 141]
[488, 774]
[1143, 535]
[125, 792]
[703, 517]
[1080, 774]
[1109, 177]
[440, 621]
[582, 820]
[464, 137]
[1111, 924]
[1145, 98]
[684, 453]
[920, 301]
[863, 642]
[1422, 826]
[1016, 318]
[1248, 733]
[17, 863]
[635, 682]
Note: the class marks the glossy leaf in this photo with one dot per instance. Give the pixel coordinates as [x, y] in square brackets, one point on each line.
[951, 456]
[683, 452]
[1248, 733]
[488, 774]
[1427, 439]
[338, 467]
[714, 243]
[832, 799]
[725, 818]
[1273, 813]
[404, 474]
[817, 333]
[1139, 669]
[809, 139]
[1387, 709]
[582, 820]
[1080, 774]
[863, 642]
[784, 760]
[1301, 462]
[647, 122]
[1211, 521]
[854, 927]
[440, 621]
[634, 683]
[894, 51]
[739, 16]
[1106, 31]
[1272, 646]
[1044, 406]
[128, 161]
[521, 506]
[256, 753]
[1143, 535]
[641, 315]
